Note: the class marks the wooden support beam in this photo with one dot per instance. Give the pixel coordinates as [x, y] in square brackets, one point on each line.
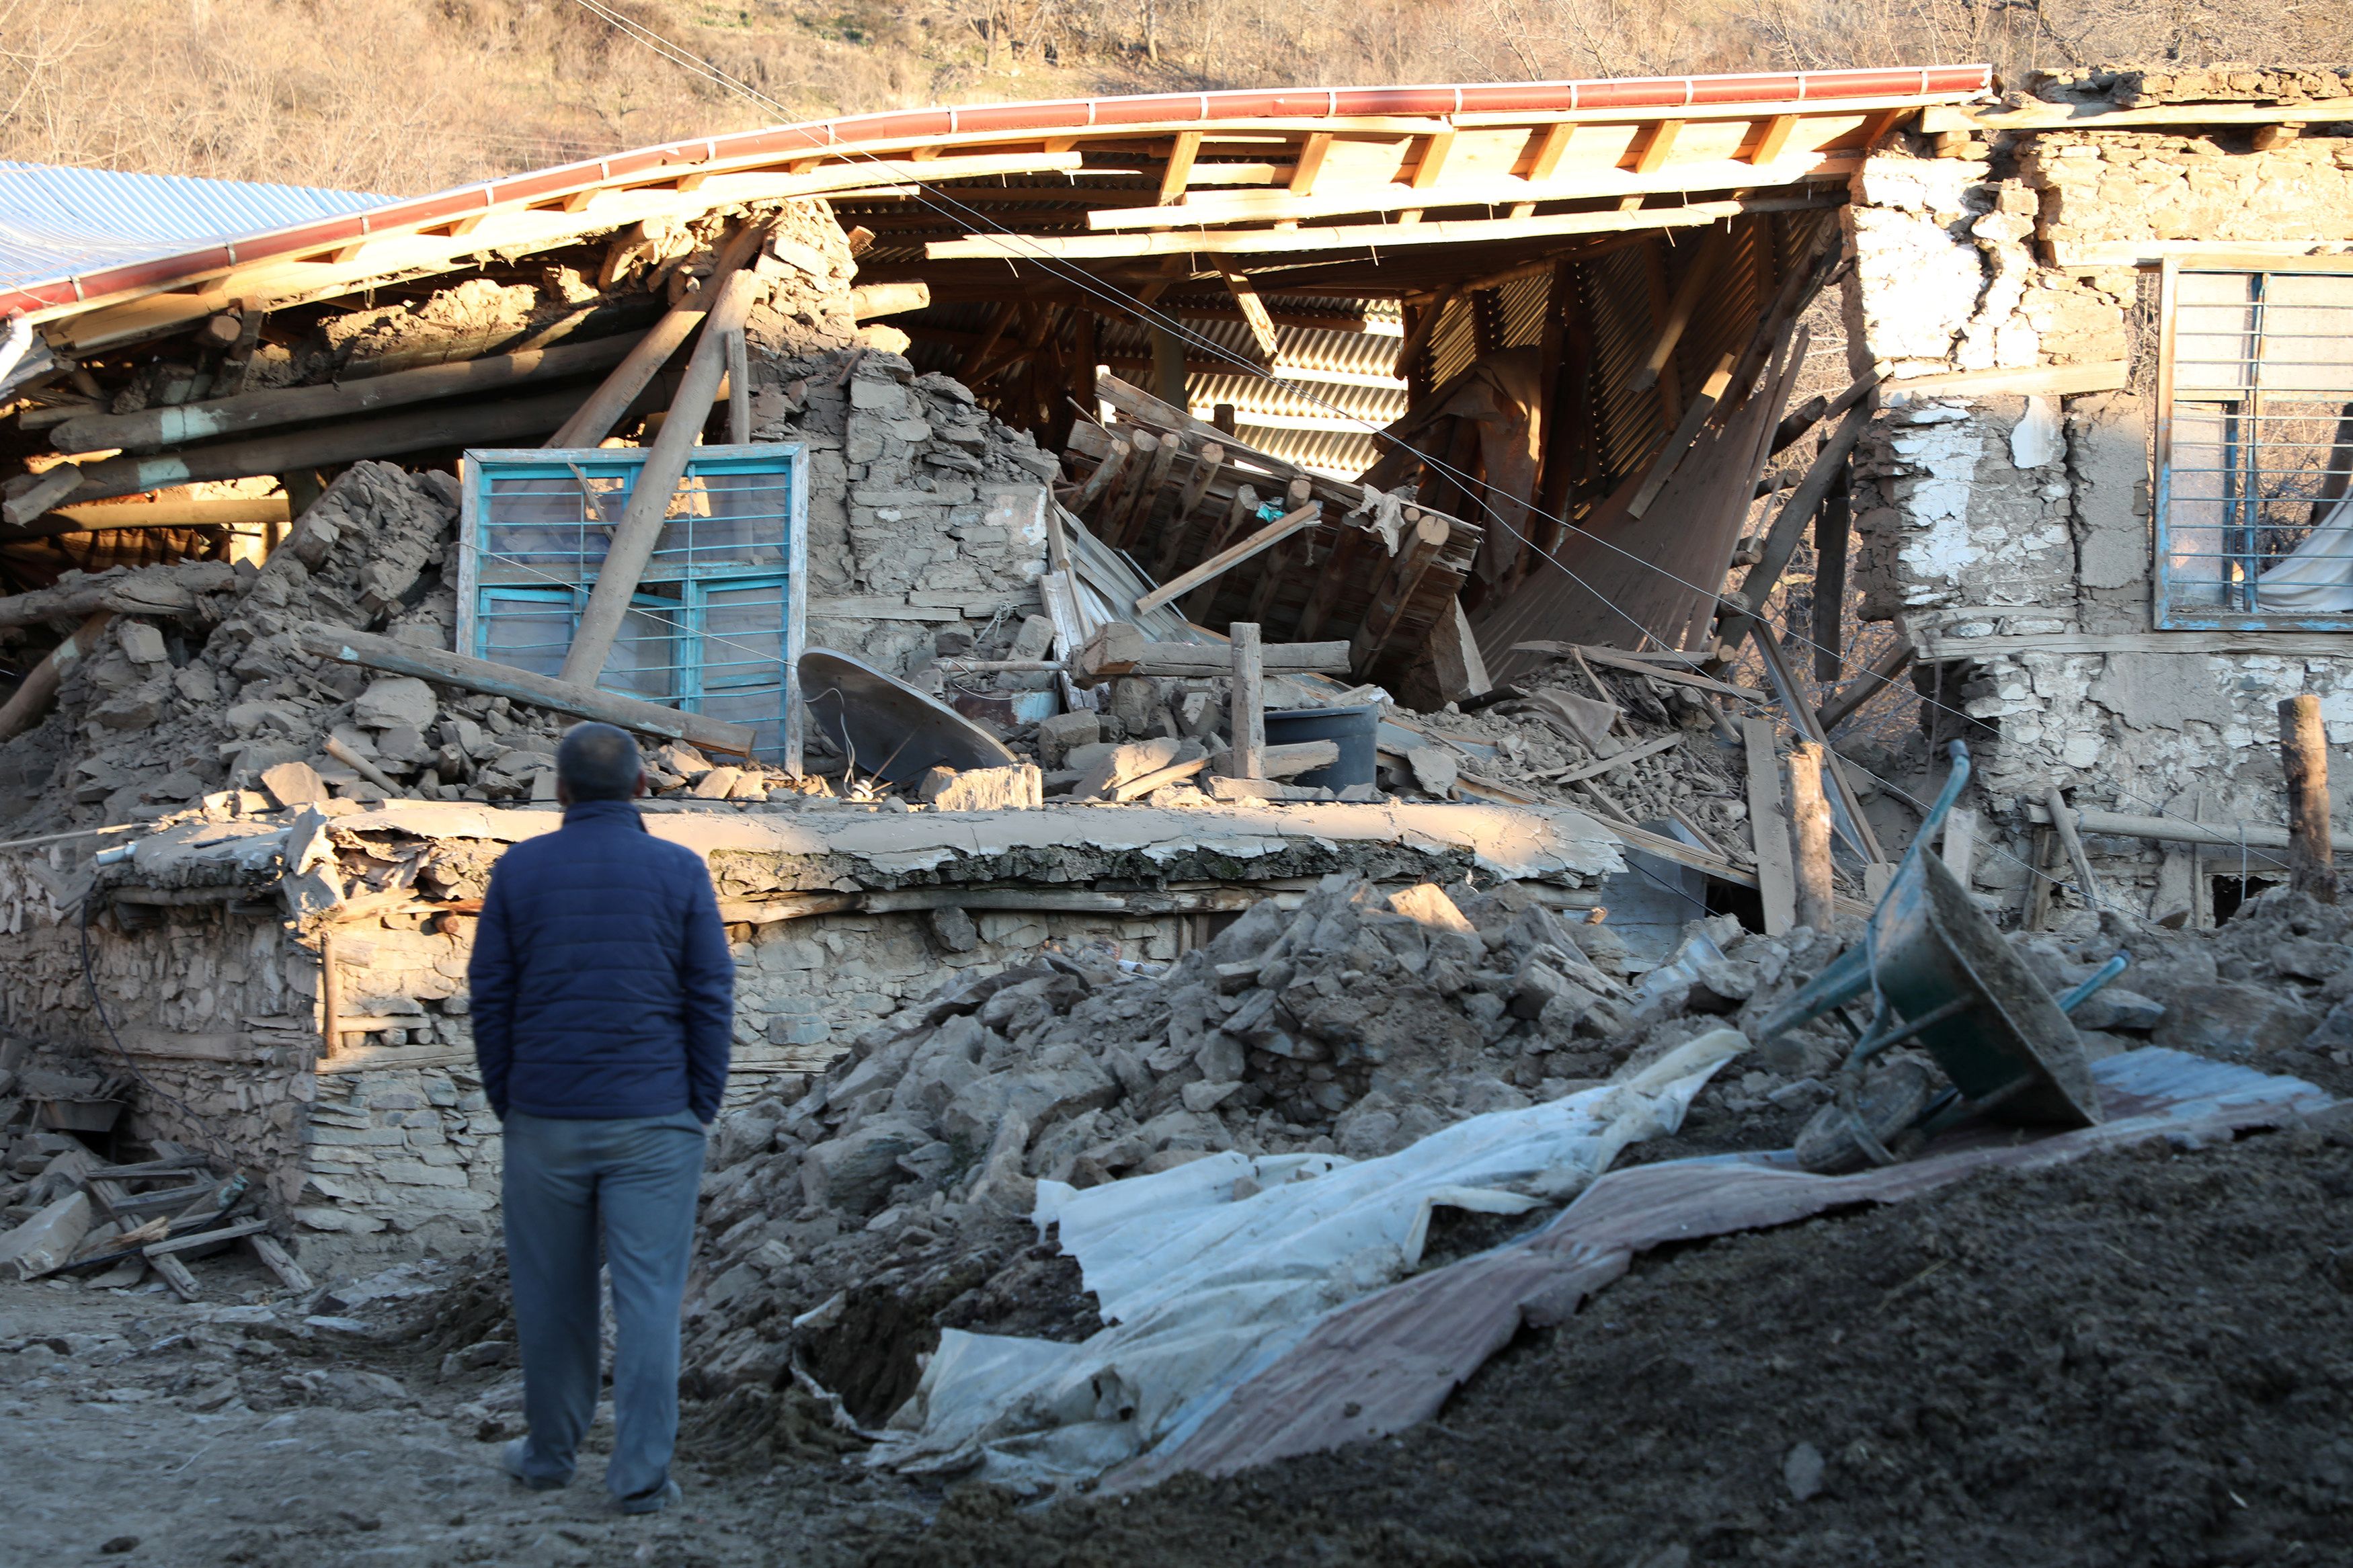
[1431, 168]
[1248, 719]
[656, 482]
[1113, 463]
[1809, 839]
[1135, 516]
[1253, 308]
[233, 512]
[1179, 173]
[1686, 298]
[1239, 513]
[1772, 139]
[1417, 553]
[1656, 144]
[1368, 238]
[595, 417]
[1769, 827]
[1312, 154]
[1120, 647]
[152, 428]
[480, 424]
[457, 669]
[1226, 560]
[1550, 141]
[2062, 818]
[2303, 756]
[1833, 523]
[35, 692]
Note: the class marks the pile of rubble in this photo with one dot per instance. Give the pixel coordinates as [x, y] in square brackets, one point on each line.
[1353, 1025]
[70, 1214]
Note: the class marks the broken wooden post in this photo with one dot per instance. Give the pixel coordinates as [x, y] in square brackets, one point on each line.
[1769, 827]
[1225, 560]
[657, 483]
[593, 420]
[33, 694]
[2062, 818]
[739, 391]
[1248, 714]
[2303, 755]
[1809, 837]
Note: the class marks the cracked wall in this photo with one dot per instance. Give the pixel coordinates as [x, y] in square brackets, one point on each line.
[2011, 537]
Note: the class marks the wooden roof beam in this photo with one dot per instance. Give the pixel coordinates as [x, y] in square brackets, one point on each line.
[1253, 311]
[1312, 154]
[1179, 172]
[1267, 207]
[1428, 170]
[1547, 146]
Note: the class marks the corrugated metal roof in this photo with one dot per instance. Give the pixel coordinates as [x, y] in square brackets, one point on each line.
[57, 221]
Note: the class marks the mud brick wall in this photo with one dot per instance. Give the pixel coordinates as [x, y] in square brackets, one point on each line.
[2014, 519]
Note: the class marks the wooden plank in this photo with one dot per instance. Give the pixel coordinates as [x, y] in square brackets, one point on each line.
[1551, 142]
[1773, 139]
[278, 1261]
[1253, 310]
[2034, 380]
[1417, 553]
[1585, 184]
[1809, 723]
[1656, 669]
[1179, 172]
[1960, 847]
[1429, 169]
[1310, 163]
[522, 686]
[1226, 560]
[603, 409]
[1248, 719]
[1790, 524]
[1374, 236]
[1615, 760]
[1107, 470]
[1769, 827]
[1833, 523]
[197, 1240]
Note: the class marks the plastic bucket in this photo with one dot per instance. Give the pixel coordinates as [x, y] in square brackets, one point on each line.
[1357, 730]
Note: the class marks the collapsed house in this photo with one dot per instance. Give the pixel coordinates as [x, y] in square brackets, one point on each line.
[1038, 533]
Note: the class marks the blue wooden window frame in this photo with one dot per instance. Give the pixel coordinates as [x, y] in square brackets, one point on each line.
[529, 544]
[2248, 530]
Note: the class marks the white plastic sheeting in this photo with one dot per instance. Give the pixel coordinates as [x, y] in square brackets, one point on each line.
[1202, 1287]
[2316, 577]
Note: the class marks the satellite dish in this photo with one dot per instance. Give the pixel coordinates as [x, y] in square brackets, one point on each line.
[885, 726]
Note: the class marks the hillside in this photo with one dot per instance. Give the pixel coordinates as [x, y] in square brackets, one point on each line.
[402, 96]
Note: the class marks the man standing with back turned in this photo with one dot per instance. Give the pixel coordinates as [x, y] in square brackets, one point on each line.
[603, 1004]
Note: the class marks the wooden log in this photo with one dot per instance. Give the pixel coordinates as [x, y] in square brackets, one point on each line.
[152, 429]
[229, 512]
[470, 425]
[1679, 311]
[1769, 827]
[523, 686]
[649, 500]
[1248, 719]
[593, 420]
[34, 693]
[2303, 755]
[362, 766]
[1135, 510]
[2062, 818]
[1832, 525]
[873, 300]
[1416, 553]
[1226, 560]
[1118, 648]
[739, 390]
[1809, 838]
[1107, 470]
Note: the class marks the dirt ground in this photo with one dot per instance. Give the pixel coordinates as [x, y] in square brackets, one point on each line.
[2143, 1358]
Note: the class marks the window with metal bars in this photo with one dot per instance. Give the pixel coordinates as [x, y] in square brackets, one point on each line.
[2255, 528]
[716, 623]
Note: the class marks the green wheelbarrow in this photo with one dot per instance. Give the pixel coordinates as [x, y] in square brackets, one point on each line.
[1938, 973]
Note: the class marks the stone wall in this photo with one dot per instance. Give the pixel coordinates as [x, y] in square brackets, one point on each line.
[2012, 536]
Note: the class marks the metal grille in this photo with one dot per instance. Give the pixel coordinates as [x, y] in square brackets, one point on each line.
[2255, 448]
[716, 625]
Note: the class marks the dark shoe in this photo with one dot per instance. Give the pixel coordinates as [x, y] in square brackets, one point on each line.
[653, 1499]
[511, 1458]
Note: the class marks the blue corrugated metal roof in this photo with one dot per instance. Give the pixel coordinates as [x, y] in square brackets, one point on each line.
[56, 222]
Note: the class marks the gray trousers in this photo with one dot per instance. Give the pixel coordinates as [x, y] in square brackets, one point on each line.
[629, 1184]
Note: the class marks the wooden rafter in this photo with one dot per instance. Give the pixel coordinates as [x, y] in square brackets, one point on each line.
[1429, 169]
[1254, 312]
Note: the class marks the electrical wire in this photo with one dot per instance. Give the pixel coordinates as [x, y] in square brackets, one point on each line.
[945, 204]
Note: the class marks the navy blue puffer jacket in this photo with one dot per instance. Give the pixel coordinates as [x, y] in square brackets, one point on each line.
[602, 986]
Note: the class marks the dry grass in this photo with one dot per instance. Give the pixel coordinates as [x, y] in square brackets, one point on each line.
[402, 96]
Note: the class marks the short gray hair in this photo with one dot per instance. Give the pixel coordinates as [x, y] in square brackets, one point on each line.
[597, 761]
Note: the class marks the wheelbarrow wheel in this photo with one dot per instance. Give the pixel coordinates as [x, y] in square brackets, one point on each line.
[1832, 1143]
